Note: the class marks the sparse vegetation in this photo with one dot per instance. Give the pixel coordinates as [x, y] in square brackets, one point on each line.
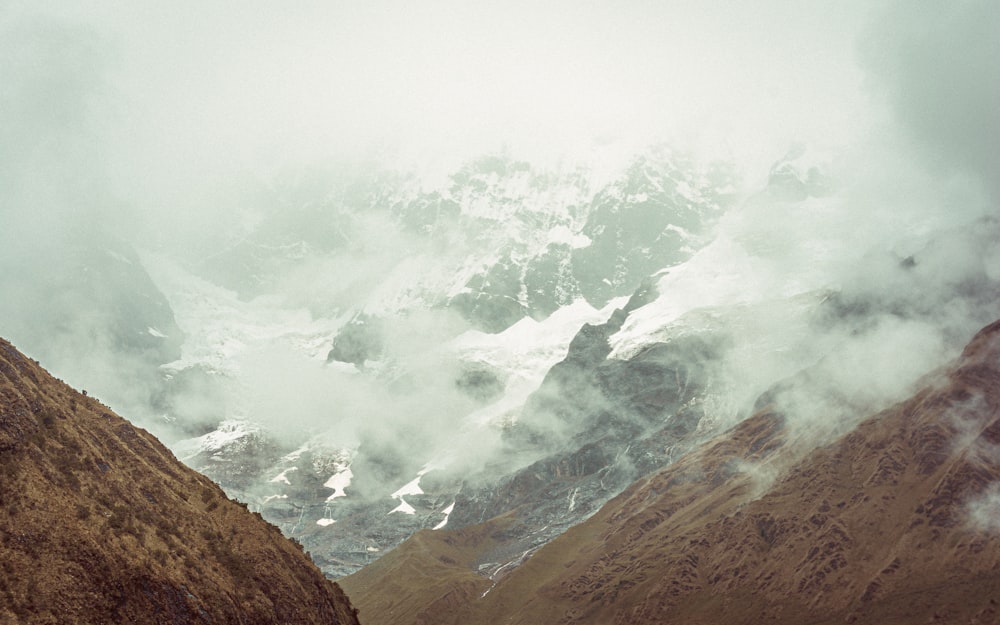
[160, 556]
[96, 526]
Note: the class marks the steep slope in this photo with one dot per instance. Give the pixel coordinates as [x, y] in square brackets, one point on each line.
[598, 425]
[99, 523]
[593, 427]
[895, 522]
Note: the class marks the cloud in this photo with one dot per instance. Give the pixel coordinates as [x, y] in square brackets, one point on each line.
[938, 67]
[409, 401]
[51, 75]
[984, 510]
[262, 86]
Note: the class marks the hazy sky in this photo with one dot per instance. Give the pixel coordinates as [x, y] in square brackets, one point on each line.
[207, 88]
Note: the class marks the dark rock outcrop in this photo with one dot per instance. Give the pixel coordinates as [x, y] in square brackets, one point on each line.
[358, 341]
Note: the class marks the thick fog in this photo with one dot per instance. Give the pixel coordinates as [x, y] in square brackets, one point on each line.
[182, 94]
[159, 135]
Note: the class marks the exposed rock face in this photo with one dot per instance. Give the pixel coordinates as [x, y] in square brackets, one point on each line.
[595, 426]
[654, 215]
[99, 523]
[650, 218]
[625, 419]
[894, 522]
[358, 341]
[502, 241]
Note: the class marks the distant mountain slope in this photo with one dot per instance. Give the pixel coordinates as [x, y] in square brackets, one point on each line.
[504, 249]
[93, 304]
[99, 523]
[894, 522]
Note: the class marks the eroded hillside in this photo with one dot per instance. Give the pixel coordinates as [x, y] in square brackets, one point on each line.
[99, 523]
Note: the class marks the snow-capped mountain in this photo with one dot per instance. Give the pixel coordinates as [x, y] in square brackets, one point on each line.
[353, 422]
[502, 240]
[442, 341]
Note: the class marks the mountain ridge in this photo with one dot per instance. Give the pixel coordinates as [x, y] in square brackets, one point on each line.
[99, 522]
[885, 524]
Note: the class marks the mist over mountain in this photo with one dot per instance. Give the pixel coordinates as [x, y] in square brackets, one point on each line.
[379, 269]
[882, 525]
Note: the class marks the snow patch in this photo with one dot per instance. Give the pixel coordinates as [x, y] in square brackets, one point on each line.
[283, 476]
[338, 482]
[687, 192]
[324, 522]
[295, 455]
[447, 513]
[411, 488]
[562, 235]
[403, 507]
[154, 332]
[764, 251]
[683, 233]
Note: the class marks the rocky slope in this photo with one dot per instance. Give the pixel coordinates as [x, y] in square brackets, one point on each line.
[99, 523]
[505, 248]
[597, 424]
[893, 522]
[594, 426]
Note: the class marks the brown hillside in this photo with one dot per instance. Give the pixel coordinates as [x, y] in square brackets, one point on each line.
[99, 523]
[897, 522]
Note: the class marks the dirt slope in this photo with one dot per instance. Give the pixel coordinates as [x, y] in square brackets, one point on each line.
[99, 523]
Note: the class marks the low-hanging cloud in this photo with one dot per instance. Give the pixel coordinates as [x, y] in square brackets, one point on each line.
[937, 66]
[984, 510]
[920, 275]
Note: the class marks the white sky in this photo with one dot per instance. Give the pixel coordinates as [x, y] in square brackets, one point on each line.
[209, 86]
